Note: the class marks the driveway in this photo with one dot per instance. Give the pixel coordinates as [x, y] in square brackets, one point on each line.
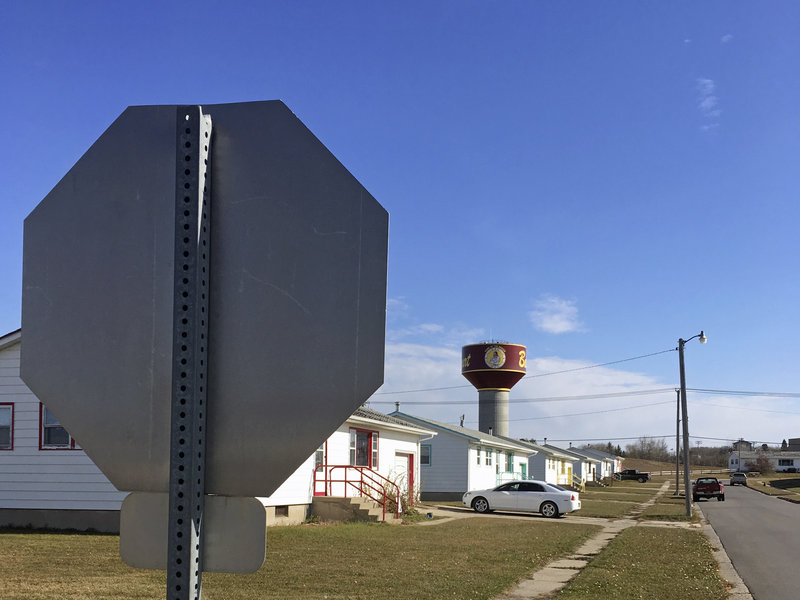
[761, 535]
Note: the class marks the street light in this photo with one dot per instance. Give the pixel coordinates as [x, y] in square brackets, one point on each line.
[686, 484]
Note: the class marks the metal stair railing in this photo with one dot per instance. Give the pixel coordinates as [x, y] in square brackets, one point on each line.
[363, 480]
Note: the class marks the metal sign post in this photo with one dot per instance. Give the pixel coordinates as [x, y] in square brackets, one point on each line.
[189, 362]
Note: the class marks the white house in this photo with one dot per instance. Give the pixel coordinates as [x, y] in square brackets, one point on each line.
[459, 459]
[550, 464]
[46, 480]
[787, 461]
[608, 463]
[370, 450]
[583, 467]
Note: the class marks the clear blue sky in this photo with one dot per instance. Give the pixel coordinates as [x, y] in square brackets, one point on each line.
[591, 180]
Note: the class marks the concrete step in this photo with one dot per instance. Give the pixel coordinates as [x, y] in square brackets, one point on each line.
[329, 508]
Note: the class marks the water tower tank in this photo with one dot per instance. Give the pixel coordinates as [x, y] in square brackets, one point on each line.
[493, 368]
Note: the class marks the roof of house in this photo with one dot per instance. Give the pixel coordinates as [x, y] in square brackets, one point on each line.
[365, 413]
[572, 452]
[10, 338]
[545, 449]
[749, 454]
[472, 435]
[593, 452]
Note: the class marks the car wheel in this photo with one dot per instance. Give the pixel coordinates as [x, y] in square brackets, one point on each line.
[641, 480]
[721, 498]
[549, 510]
[694, 498]
[480, 504]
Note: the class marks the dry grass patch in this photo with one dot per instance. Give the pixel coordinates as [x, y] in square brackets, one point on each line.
[600, 508]
[630, 569]
[474, 558]
[622, 496]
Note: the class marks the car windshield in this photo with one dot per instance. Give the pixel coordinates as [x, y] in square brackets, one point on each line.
[555, 487]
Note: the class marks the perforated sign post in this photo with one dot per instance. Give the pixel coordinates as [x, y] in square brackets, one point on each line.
[203, 304]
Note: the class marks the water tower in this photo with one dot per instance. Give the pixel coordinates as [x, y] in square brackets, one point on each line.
[493, 368]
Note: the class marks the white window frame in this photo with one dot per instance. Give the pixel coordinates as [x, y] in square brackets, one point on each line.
[425, 451]
[48, 422]
[372, 452]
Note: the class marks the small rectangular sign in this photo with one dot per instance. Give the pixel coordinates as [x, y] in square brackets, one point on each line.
[234, 532]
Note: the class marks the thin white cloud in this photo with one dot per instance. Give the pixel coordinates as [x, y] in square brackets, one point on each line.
[555, 315]
[726, 38]
[708, 101]
[414, 331]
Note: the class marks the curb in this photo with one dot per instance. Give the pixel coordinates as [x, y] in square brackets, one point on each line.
[738, 591]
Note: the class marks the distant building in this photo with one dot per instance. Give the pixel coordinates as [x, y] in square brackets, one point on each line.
[786, 461]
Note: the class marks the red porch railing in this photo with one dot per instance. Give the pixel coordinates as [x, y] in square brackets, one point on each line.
[362, 480]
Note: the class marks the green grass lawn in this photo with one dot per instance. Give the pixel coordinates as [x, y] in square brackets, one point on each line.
[653, 563]
[474, 558]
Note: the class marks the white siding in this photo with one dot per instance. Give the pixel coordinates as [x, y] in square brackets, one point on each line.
[481, 476]
[447, 471]
[550, 469]
[31, 478]
[296, 489]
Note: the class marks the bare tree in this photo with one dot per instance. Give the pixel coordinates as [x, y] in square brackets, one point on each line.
[649, 449]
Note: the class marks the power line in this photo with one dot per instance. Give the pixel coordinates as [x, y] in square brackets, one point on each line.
[614, 439]
[783, 412]
[456, 387]
[535, 400]
[594, 412]
[614, 362]
[740, 393]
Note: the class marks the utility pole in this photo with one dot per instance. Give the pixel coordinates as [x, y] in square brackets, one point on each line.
[677, 441]
[686, 483]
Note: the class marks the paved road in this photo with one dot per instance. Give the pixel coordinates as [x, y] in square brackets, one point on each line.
[761, 535]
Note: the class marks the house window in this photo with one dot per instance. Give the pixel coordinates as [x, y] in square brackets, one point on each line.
[364, 448]
[53, 435]
[319, 457]
[6, 426]
[479, 455]
[785, 462]
[509, 462]
[489, 454]
[425, 455]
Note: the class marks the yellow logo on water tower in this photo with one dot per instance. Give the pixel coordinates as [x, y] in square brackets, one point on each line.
[495, 357]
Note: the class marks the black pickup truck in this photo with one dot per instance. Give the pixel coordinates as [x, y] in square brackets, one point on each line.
[632, 475]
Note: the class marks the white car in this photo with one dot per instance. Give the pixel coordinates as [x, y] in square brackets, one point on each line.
[524, 496]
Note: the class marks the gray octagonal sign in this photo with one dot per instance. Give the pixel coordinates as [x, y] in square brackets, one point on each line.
[297, 297]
